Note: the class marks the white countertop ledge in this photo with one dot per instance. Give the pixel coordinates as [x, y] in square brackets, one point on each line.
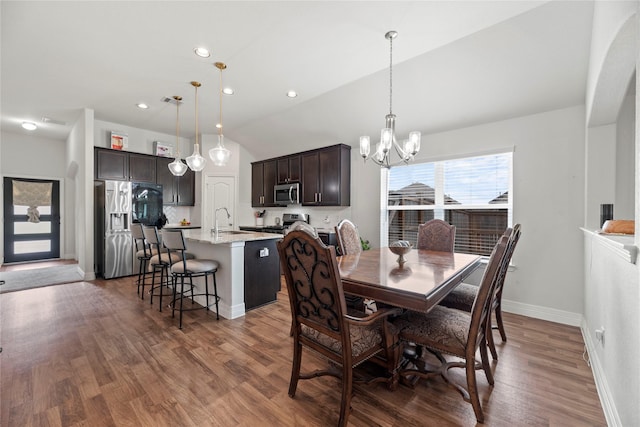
[228, 237]
[621, 245]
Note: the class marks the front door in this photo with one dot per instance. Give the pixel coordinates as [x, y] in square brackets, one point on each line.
[31, 219]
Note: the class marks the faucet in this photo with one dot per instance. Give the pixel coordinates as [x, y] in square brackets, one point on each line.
[216, 230]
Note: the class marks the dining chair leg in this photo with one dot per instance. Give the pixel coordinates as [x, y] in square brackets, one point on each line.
[295, 369]
[472, 389]
[347, 383]
[490, 341]
[498, 312]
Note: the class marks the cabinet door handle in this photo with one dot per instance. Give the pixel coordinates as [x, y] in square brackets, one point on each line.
[320, 197]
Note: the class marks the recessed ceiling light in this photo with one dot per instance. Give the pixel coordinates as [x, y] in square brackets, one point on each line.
[292, 94]
[218, 125]
[202, 52]
[227, 91]
[142, 106]
[29, 125]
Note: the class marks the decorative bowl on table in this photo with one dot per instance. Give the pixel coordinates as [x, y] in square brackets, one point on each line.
[400, 248]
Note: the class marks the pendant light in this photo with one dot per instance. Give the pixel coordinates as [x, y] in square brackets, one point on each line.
[405, 151]
[196, 161]
[220, 154]
[176, 167]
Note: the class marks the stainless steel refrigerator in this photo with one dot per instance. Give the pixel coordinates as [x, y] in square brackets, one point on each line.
[113, 240]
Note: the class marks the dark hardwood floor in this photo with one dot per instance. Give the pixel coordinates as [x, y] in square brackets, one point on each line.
[94, 354]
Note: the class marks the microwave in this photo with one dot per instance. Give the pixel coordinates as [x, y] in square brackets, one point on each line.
[286, 194]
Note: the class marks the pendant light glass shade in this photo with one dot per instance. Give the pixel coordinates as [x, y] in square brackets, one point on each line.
[195, 161]
[220, 155]
[177, 168]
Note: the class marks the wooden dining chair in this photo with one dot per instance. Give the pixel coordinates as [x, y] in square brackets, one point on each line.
[453, 332]
[436, 235]
[464, 295]
[348, 238]
[321, 322]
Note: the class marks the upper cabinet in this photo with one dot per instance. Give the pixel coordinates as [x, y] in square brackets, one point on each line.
[263, 179]
[326, 176]
[289, 169]
[176, 190]
[124, 166]
[142, 168]
[111, 164]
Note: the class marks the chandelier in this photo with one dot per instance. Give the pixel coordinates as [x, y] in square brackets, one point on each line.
[176, 167]
[408, 148]
[196, 161]
[220, 154]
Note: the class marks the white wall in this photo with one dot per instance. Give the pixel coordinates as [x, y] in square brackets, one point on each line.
[624, 206]
[548, 188]
[612, 283]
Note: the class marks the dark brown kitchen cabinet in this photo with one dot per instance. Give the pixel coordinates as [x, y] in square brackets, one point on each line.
[111, 164]
[261, 273]
[176, 190]
[142, 168]
[123, 166]
[263, 179]
[326, 176]
[288, 169]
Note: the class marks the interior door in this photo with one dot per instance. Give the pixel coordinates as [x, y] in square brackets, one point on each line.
[31, 219]
[220, 193]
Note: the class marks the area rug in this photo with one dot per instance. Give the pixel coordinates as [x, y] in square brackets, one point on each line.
[36, 278]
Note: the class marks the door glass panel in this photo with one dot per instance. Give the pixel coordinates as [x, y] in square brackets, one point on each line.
[22, 210]
[32, 246]
[43, 227]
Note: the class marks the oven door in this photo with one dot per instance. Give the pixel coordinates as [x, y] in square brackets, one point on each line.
[286, 194]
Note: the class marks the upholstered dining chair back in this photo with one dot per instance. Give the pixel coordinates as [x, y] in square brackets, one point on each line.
[304, 226]
[320, 320]
[348, 238]
[436, 235]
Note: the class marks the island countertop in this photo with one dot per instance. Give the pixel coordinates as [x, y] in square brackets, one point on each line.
[228, 236]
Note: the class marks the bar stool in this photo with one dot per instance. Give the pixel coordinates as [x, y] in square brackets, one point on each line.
[159, 262]
[143, 253]
[173, 241]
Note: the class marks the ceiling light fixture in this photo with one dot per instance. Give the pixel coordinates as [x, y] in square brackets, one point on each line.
[202, 52]
[220, 154]
[409, 148]
[292, 94]
[142, 106]
[227, 91]
[29, 126]
[176, 167]
[196, 161]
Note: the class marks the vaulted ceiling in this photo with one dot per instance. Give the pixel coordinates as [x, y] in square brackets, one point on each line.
[456, 64]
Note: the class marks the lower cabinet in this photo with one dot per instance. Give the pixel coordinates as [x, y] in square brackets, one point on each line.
[261, 273]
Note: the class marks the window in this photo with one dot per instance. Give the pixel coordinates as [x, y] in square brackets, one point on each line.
[472, 193]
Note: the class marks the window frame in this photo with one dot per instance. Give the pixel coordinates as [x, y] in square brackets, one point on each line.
[439, 207]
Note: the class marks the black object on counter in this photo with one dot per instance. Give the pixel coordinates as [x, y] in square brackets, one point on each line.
[606, 213]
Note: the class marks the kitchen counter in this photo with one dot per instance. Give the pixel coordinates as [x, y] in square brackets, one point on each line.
[228, 236]
[236, 252]
[179, 226]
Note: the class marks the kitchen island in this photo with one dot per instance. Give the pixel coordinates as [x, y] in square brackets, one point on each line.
[238, 252]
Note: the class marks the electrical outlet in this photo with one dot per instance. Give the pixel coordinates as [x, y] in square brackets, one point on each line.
[264, 252]
[600, 335]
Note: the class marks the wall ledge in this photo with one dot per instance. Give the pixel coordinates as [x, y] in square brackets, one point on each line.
[622, 246]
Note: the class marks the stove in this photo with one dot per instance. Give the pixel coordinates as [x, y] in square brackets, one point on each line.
[287, 220]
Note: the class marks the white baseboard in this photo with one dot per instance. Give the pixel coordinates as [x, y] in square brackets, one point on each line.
[604, 392]
[543, 313]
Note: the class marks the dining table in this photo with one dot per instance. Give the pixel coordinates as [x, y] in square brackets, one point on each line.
[419, 283]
